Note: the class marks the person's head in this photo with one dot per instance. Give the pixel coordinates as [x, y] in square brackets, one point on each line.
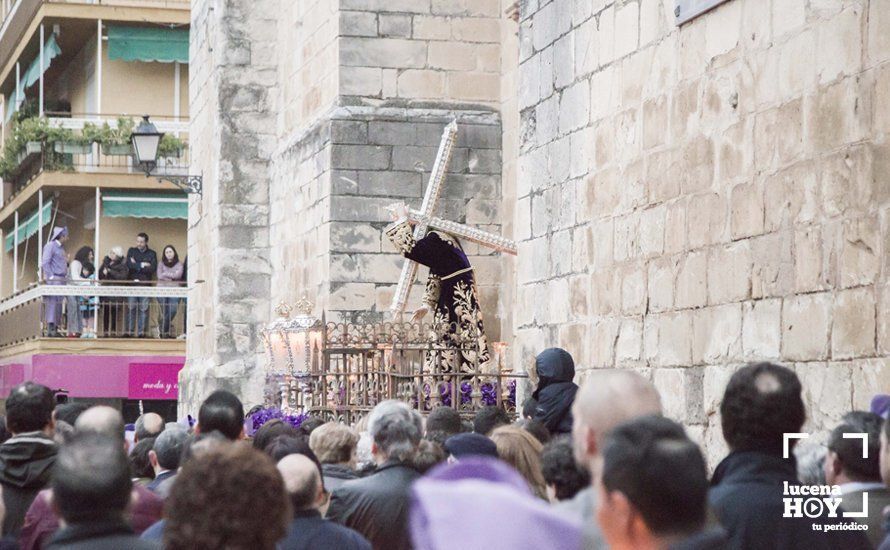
[520, 449]
[60, 234]
[536, 428]
[232, 497]
[396, 429]
[606, 399]
[309, 424]
[140, 464]
[84, 255]
[270, 430]
[91, 479]
[564, 477]
[654, 484]
[844, 462]
[196, 445]
[222, 411]
[171, 258]
[761, 403]
[810, 458]
[428, 455]
[142, 241]
[116, 253]
[334, 443]
[69, 412]
[489, 418]
[469, 444]
[149, 425]
[29, 408]
[445, 420]
[285, 445]
[167, 450]
[103, 420]
[87, 270]
[302, 482]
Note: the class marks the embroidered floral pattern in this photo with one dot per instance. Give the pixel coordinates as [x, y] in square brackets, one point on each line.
[401, 236]
[433, 288]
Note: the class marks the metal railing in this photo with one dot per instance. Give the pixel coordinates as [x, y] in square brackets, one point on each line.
[87, 309]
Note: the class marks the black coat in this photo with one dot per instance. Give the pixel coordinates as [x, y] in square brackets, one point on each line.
[117, 271]
[377, 506]
[556, 391]
[135, 259]
[26, 464]
[99, 535]
[747, 497]
[309, 531]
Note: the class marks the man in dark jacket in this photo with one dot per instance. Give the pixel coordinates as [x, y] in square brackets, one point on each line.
[308, 529]
[377, 506]
[27, 458]
[556, 390]
[761, 403]
[91, 490]
[142, 263]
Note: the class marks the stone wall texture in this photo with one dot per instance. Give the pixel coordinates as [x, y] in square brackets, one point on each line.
[691, 199]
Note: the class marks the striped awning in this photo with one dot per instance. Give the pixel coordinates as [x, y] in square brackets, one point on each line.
[123, 204]
[28, 226]
[32, 74]
[148, 44]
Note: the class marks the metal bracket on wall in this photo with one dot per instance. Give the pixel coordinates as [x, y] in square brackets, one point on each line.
[687, 10]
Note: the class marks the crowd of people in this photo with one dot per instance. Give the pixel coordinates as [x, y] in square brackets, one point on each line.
[139, 267]
[606, 469]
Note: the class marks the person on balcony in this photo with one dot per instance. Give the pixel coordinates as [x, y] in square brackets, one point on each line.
[88, 304]
[54, 265]
[114, 268]
[83, 257]
[170, 272]
[142, 262]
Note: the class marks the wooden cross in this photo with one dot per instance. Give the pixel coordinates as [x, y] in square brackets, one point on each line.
[424, 220]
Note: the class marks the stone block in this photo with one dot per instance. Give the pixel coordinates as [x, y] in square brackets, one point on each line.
[878, 42]
[652, 21]
[837, 115]
[601, 242]
[389, 184]
[729, 273]
[681, 392]
[806, 322]
[629, 347]
[474, 86]
[829, 387]
[476, 29]
[484, 161]
[661, 281]
[791, 197]
[585, 54]
[530, 82]
[662, 174]
[772, 272]
[652, 231]
[761, 329]
[627, 237]
[839, 44]
[853, 332]
[605, 291]
[421, 84]
[867, 376]
[606, 36]
[604, 333]
[354, 237]
[714, 382]
[692, 281]
[349, 132]
[351, 208]
[564, 71]
[363, 81]
[358, 23]
[667, 339]
[363, 157]
[848, 182]
[778, 135]
[431, 27]
[722, 29]
[352, 296]
[788, 16]
[381, 132]
[452, 56]
[408, 6]
[675, 235]
[883, 319]
[574, 107]
[559, 159]
[747, 210]
[697, 166]
[633, 290]
[859, 261]
[392, 25]
[547, 116]
[808, 260]
[561, 253]
[655, 122]
[393, 53]
[717, 334]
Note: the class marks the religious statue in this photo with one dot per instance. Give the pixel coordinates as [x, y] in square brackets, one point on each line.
[450, 290]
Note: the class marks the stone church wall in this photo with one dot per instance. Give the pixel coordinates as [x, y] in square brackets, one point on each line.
[694, 198]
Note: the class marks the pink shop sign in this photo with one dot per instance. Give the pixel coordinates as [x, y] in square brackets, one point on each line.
[154, 380]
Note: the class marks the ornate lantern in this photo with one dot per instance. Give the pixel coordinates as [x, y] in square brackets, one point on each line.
[294, 346]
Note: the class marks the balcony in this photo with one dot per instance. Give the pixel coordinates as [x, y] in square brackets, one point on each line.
[90, 317]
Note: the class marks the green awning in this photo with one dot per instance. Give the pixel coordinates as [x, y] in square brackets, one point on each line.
[122, 204]
[32, 74]
[148, 44]
[28, 226]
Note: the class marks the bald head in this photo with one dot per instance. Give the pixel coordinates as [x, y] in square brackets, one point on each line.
[607, 399]
[301, 481]
[149, 425]
[102, 420]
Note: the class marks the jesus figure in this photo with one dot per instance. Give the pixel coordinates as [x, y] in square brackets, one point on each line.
[450, 291]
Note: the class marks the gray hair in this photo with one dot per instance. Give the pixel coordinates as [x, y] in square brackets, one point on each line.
[396, 429]
[117, 251]
[168, 447]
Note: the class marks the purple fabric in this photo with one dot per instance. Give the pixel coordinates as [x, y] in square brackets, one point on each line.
[481, 502]
[55, 270]
[169, 276]
[880, 405]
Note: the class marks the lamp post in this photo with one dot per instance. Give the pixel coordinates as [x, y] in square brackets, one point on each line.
[146, 140]
[294, 345]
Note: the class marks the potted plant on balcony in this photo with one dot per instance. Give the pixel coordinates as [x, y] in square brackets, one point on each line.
[116, 141]
[70, 143]
[26, 142]
[170, 147]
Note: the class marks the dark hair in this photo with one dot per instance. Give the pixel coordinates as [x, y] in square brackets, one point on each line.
[140, 466]
[761, 403]
[222, 411]
[70, 411]
[309, 424]
[437, 437]
[428, 455]
[4, 431]
[560, 469]
[164, 256]
[304, 496]
[91, 478]
[168, 447]
[270, 430]
[233, 497]
[195, 444]
[849, 450]
[443, 419]
[536, 428]
[87, 269]
[144, 236]
[83, 254]
[529, 407]
[489, 418]
[29, 407]
[660, 471]
[285, 444]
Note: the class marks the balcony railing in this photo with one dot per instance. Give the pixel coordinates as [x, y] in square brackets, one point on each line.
[91, 310]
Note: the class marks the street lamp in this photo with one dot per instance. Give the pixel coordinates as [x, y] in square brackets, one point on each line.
[146, 140]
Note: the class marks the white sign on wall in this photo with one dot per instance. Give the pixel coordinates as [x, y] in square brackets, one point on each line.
[689, 9]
